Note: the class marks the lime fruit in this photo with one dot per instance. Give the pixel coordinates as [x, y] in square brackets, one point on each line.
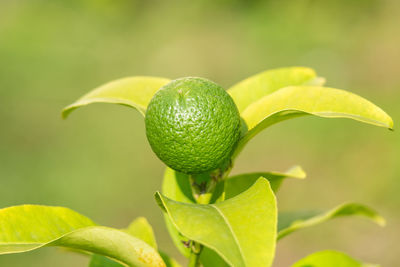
[193, 125]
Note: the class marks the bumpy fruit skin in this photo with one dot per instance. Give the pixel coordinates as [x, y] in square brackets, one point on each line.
[192, 125]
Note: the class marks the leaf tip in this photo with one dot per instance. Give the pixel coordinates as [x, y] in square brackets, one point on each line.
[391, 125]
[297, 172]
[159, 201]
[380, 221]
[317, 81]
[67, 110]
[262, 181]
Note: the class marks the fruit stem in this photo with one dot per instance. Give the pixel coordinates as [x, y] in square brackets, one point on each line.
[194, 260]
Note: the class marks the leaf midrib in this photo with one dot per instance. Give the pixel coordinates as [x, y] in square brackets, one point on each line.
[232, 232]
[331, 114]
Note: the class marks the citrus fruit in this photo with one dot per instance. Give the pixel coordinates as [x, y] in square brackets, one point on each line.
[192, 125]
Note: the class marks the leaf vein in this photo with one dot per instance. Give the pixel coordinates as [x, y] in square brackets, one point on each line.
[231, 230]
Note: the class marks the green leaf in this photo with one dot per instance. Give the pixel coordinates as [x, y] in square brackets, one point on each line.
[237, 184]
[292, 222]
[330, 258]
[140, 228]
[135, 92]
[242, 230]
[255, 87]
[296, 101]
[112, 243]
[28, 227]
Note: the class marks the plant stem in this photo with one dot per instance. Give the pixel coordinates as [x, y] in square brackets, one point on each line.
[202, 197]
[203, 194]
[194, 260]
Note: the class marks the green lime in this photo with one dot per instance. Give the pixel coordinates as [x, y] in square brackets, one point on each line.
[192, 125]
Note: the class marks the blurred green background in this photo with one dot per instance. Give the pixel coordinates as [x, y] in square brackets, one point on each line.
[99, 163]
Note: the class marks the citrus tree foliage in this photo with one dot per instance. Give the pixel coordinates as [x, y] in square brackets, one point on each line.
[214, 219]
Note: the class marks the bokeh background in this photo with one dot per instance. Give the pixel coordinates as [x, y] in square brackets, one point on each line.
[99, 163]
